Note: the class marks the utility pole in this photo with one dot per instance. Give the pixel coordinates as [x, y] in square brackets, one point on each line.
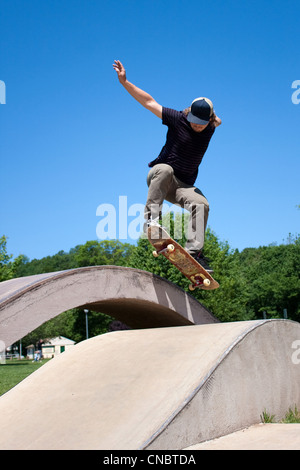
[86, 323]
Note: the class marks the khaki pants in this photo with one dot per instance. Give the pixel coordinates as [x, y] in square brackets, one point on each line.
[163, 185]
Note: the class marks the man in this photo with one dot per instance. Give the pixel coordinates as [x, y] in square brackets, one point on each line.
[39, 354]
[174, 172]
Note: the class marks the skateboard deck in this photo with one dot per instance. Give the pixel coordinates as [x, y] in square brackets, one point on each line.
[180, 258]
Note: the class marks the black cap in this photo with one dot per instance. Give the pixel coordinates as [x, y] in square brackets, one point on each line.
[201, 111]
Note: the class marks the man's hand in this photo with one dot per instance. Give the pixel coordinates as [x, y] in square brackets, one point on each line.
[141, 96]
[118, 66]
[215, 120]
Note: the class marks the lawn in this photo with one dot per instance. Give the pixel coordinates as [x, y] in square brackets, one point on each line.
[16, 370]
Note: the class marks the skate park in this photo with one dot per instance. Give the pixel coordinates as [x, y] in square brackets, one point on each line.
[177, 379]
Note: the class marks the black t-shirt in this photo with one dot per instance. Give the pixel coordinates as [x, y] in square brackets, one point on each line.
[184, 148]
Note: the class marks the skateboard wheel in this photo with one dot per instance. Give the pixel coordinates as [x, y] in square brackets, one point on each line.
[155, 254]
[206, 282]
[192, 287]
[171, 248]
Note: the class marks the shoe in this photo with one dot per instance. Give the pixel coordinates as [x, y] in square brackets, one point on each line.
[203, 261]
[153, 223]
[161, 232]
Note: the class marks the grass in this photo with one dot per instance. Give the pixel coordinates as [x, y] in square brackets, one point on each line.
[14, 371]
[292, 416]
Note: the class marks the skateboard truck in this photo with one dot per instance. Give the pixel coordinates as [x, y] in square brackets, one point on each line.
[168, 249]
[198, 281]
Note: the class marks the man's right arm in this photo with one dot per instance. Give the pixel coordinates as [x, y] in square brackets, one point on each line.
[139, 95]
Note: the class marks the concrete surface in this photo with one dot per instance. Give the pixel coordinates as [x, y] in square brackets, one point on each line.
[257, 437]
[162, 388]
[137, 298]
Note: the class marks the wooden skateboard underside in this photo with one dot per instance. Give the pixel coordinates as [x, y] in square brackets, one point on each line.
[178, 256]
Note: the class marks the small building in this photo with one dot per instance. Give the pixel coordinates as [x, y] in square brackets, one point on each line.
[51, 347]
[54, 346]
[30, 351]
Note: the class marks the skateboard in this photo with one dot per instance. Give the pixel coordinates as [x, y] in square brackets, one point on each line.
[180, 258]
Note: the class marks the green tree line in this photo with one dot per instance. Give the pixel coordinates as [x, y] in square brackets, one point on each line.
[254, 282]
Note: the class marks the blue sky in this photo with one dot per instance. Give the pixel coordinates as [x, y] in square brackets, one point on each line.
[73, 139]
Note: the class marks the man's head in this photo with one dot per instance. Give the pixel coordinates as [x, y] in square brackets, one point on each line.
[201, 111]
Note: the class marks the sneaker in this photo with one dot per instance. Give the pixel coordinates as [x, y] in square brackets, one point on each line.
[160, 233]
[201, 259]
[148, 223]
[153, 222]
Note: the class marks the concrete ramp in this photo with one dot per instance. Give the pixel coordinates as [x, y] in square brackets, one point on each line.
[137, 298]
[164, 388]
[275, 436]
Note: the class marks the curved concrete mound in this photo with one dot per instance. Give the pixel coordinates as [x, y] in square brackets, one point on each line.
[164, 388]
[137, 298]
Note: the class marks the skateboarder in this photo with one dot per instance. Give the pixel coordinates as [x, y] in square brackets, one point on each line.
[173, 173]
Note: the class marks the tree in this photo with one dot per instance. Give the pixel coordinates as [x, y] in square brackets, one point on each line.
[230, 301]
[105, 252]
[8, 268]
[273, 274]
[92, 253]
[70, 324]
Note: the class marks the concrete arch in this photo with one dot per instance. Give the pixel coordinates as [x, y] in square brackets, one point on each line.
[157, 388]
[137, 298]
